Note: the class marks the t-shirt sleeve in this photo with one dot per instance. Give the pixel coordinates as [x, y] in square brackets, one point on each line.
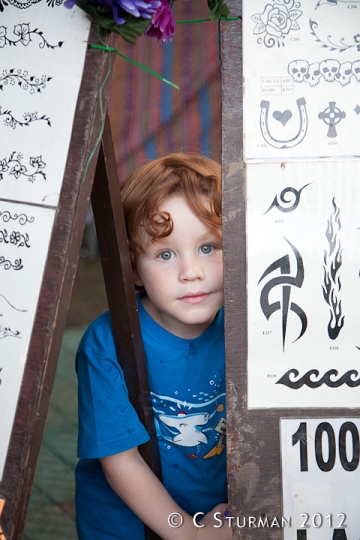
[108, 423]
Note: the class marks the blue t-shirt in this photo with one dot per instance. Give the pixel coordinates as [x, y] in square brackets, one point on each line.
[187, 383]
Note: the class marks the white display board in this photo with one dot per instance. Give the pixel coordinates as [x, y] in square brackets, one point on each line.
[42, 53]
[24, 237]
[321, 478]
[302, 94]
[303, 253]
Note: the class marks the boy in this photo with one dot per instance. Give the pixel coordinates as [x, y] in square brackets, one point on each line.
[172, 210]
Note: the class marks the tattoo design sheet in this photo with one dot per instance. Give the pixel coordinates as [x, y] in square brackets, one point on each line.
[303, 253]
[42, 53]
[302, 94]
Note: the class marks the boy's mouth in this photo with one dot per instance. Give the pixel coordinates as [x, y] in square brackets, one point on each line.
[194, 298]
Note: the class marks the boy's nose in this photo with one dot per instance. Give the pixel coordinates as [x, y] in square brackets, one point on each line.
[191, 269]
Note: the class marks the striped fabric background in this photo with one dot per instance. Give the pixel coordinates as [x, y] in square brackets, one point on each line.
[148, 116]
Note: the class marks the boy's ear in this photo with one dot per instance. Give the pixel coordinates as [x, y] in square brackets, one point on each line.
[137, 279]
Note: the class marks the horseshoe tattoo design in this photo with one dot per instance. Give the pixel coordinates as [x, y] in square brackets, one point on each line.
[290, 143]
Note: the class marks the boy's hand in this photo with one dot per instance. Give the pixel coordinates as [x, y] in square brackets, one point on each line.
[131, 478]
[212, 521]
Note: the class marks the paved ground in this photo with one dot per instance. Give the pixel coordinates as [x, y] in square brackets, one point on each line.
[51, 513]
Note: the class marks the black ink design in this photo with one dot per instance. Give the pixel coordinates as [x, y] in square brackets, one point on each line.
[8, 264]
[355, 68]
[14, 167]
[357, 110]
[298, 69]
[28, 119]
[7, 332]
[13, 307]
[290, 143]
[286, 281]
[331, 116]
[314, 74]
[3, 236]
[23, 80]
[23, 219]
[19, 240]
[332, 264]
[15, 238]
[276, 22]
[328, 70]
[333, 2]
[345, 74]
[283, 201]
[24, 37]
[341, 46]
[23, 4]
[325, 379]
[282, 117]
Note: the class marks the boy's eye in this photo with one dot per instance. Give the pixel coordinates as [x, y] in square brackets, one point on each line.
[206, 249]
[166, 255]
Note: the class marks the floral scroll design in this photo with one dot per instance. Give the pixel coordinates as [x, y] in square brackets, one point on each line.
[12, 122]
[16, 265]
[10, 304]
[276, 22]
[13, 166]
[24, 34]
[23, 4]
[23, 80]
[16, 238]
[6, 216]
[52, 3]
[341, 46]
[7, 332]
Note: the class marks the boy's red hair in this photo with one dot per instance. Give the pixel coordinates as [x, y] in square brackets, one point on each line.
[194, 177]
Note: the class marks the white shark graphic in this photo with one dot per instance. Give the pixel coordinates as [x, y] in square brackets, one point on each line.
[186, 425]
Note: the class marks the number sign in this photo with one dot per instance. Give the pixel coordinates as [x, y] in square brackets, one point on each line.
[320, 475]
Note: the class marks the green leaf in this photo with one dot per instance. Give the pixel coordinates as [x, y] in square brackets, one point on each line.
[132, 28]
[218, 9]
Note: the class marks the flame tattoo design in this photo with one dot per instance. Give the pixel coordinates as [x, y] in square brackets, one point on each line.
[332, 264]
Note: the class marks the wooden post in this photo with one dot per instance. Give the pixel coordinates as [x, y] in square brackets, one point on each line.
[120, 289]
[293, 432]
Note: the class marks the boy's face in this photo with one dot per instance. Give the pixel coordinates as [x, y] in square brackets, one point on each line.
[182, 274]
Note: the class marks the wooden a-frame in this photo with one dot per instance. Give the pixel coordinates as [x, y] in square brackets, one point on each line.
[101, 186]
[58, 279]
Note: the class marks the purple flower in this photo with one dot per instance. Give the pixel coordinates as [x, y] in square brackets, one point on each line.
[139, 8]
[143, 9]
[70, 3]
[163, 23]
